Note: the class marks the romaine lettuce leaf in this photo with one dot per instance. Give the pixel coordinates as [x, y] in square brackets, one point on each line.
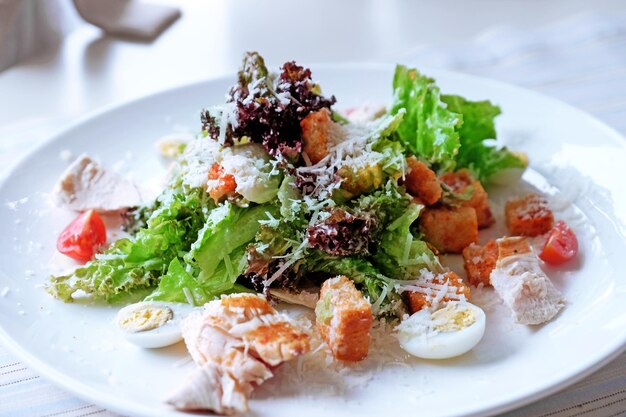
[227, 228]
[179, 285]
[478, 118]
[172, 284]
[401, 255]
[477, 129]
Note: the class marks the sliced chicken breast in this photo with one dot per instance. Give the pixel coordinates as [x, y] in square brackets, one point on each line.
[236, 342]
[522, 285]
[86, 185]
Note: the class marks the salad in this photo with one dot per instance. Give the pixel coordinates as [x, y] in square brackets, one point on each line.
[283, 198]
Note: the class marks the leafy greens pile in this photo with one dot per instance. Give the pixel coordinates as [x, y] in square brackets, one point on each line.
[345, 214]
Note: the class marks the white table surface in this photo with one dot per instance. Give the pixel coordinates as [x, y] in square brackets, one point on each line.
[89, 71]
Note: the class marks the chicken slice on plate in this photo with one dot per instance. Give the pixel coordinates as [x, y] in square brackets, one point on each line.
[86, 185]
[522, 285]
[236, 342]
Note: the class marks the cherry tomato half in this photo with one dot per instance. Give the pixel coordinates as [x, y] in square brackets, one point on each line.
[83, 236]
[561, 245]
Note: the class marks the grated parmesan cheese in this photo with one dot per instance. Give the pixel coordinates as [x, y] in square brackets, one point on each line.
[197, 159]
[318, 373]
[433, 291]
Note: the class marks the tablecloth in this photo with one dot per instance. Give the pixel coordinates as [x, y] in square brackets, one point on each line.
[580, 60]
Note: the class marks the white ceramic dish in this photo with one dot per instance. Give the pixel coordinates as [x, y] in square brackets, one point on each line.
[573, 157]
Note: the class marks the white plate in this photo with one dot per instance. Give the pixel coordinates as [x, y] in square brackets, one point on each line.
[573, 157]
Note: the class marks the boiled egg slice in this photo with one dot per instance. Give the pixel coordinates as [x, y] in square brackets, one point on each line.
[152, 324]
[449, 331]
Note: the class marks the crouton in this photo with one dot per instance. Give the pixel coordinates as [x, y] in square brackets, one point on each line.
[449, 229]
[417, 300]
[460, 182]
[315, 134]
[479, 261]
[344, 319]
[421, 182]
[528, 216]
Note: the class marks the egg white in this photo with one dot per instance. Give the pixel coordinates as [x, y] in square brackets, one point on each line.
[419, 337]
[165, 335]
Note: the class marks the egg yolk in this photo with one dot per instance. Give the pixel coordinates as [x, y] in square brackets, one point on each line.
[145, 318]
[451, 318]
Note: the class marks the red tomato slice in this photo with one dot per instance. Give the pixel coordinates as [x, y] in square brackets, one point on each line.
[561, 245]
[83, 236]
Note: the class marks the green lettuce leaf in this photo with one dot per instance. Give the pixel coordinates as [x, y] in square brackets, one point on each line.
[386, 203]
[180, 286]
[402, 255]
[228, 227]
[172, 284]
[429, 129]
[478, 128]
[393, 151]
[133, 264]
[377, 287]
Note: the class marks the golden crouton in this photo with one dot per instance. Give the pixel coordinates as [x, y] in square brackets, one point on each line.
[479, 261]
[449, 229]
[315, 134]
[344, 319]
[528, 216]
[421, 182]
[417, 300]
[460, 182]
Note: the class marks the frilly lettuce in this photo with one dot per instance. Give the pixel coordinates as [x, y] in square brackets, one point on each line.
[132, 264]
[429, 129]
[448, 131]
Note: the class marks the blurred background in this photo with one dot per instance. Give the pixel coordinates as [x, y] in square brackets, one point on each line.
[61, 60]
[74, 67]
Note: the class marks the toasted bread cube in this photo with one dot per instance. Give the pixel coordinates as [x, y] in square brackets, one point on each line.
[418, 300]
[421, 182]
[316, 128]
[479, 261]
[528, 216]
[344, 319]
[449, 229]
[460, 182]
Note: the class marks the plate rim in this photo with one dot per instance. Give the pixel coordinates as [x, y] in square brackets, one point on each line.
[122, 405]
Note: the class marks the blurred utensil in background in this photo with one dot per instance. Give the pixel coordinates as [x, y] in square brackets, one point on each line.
[128, 18]
[30, 26]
